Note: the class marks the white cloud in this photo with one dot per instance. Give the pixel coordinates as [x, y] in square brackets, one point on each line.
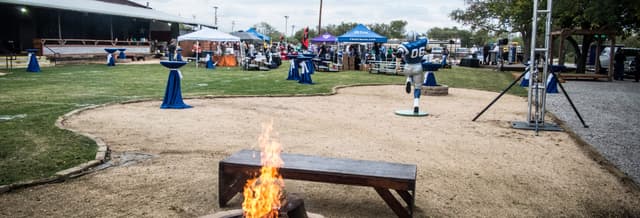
[420, 15]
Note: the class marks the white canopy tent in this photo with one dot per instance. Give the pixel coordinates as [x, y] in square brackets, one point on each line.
[207, 34]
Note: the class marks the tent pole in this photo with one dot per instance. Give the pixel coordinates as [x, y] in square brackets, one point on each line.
[111, 26]
[197, 58]
[59, 26]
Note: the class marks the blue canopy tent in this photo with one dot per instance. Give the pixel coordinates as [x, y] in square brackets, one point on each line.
[259, 35]
[361, 33]
[326, 37]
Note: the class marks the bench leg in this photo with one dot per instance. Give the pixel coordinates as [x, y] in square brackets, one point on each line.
[408, 198]
[229, 185]
[393, 203]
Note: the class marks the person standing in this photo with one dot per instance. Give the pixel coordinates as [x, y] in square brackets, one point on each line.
[485, 53]
[197, 50]
[172, 49]
[636, 61]
[618, 72]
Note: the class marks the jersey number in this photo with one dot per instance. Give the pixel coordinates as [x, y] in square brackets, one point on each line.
[417, 52]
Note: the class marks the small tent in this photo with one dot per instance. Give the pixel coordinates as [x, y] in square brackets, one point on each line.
[361, 33]
[246, 36]
[207, 34]
[326, 37]
[259, 35]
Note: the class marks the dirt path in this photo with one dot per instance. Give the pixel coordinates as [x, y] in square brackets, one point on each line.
[465, 168]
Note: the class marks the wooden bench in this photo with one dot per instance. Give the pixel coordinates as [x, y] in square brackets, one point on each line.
[382, 176]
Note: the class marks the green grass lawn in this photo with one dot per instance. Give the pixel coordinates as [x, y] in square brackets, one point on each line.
[32, 147]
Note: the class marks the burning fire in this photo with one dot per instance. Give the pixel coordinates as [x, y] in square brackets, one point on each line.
[262, 194]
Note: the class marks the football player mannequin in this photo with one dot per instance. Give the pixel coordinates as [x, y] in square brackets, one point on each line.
[412, 54]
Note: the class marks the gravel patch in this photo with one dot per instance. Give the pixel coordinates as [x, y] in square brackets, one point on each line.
[612, 111]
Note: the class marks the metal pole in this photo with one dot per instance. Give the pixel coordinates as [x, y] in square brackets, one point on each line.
[59, 26]
[548, 59]
[286, 19]
[197, 58]
[533, 64]
[502, 93]
[555, 76]
[320, 18]
[215, 16]
[111, 26]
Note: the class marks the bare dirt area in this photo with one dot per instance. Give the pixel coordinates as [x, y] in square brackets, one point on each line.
[465, 169]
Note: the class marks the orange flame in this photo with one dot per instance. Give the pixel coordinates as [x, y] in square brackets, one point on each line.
[262, 194]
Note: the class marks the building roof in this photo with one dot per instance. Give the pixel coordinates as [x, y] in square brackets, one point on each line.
[100, 7]
[207, 34]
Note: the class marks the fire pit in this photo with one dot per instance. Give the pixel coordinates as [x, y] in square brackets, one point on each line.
[264, 194]
[293, 208]
[384, 177]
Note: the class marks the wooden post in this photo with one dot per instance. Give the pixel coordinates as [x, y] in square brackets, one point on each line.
[598, 50]
[561, 50]
[612, 53]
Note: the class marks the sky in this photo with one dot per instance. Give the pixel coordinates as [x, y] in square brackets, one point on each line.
[421, 15]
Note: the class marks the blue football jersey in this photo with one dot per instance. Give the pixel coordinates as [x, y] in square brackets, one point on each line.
[413, 52]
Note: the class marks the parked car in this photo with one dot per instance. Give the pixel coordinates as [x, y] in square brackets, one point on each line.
[462, 52]
[629, 54]
[436, 54]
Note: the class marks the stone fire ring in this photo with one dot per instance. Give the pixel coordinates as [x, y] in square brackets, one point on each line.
[238, 213]
[438, 90]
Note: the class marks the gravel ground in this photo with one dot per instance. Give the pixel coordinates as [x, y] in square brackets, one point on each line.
[612, 111]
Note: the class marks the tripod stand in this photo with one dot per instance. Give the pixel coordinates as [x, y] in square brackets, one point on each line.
[537, 125]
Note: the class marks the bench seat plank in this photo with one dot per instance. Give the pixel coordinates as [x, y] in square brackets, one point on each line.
[331, 165]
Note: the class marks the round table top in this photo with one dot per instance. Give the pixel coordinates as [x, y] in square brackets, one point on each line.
[173, 64]
[110, 50]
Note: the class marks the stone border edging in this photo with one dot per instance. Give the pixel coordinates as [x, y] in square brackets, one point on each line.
[72, 172]
[103, 148]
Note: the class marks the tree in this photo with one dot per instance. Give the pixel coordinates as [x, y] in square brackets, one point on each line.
[395, 28]
[619, 16]
[498, 16]
[340, 29]
[446, 33]
[268, 30]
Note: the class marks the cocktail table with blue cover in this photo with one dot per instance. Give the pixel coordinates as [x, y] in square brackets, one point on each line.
[33, 60]
[294, 72]
[310, 65]
[173, 93]
[122, 55]
[305, 72]
[110, 59]
[209, 58]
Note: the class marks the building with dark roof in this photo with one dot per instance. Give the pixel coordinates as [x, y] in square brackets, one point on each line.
[34, 23]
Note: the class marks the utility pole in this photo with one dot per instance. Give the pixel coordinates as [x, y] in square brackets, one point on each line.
[233, 24]
[320, 18]
[292, 27]
[215, 16]
[286, 18]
